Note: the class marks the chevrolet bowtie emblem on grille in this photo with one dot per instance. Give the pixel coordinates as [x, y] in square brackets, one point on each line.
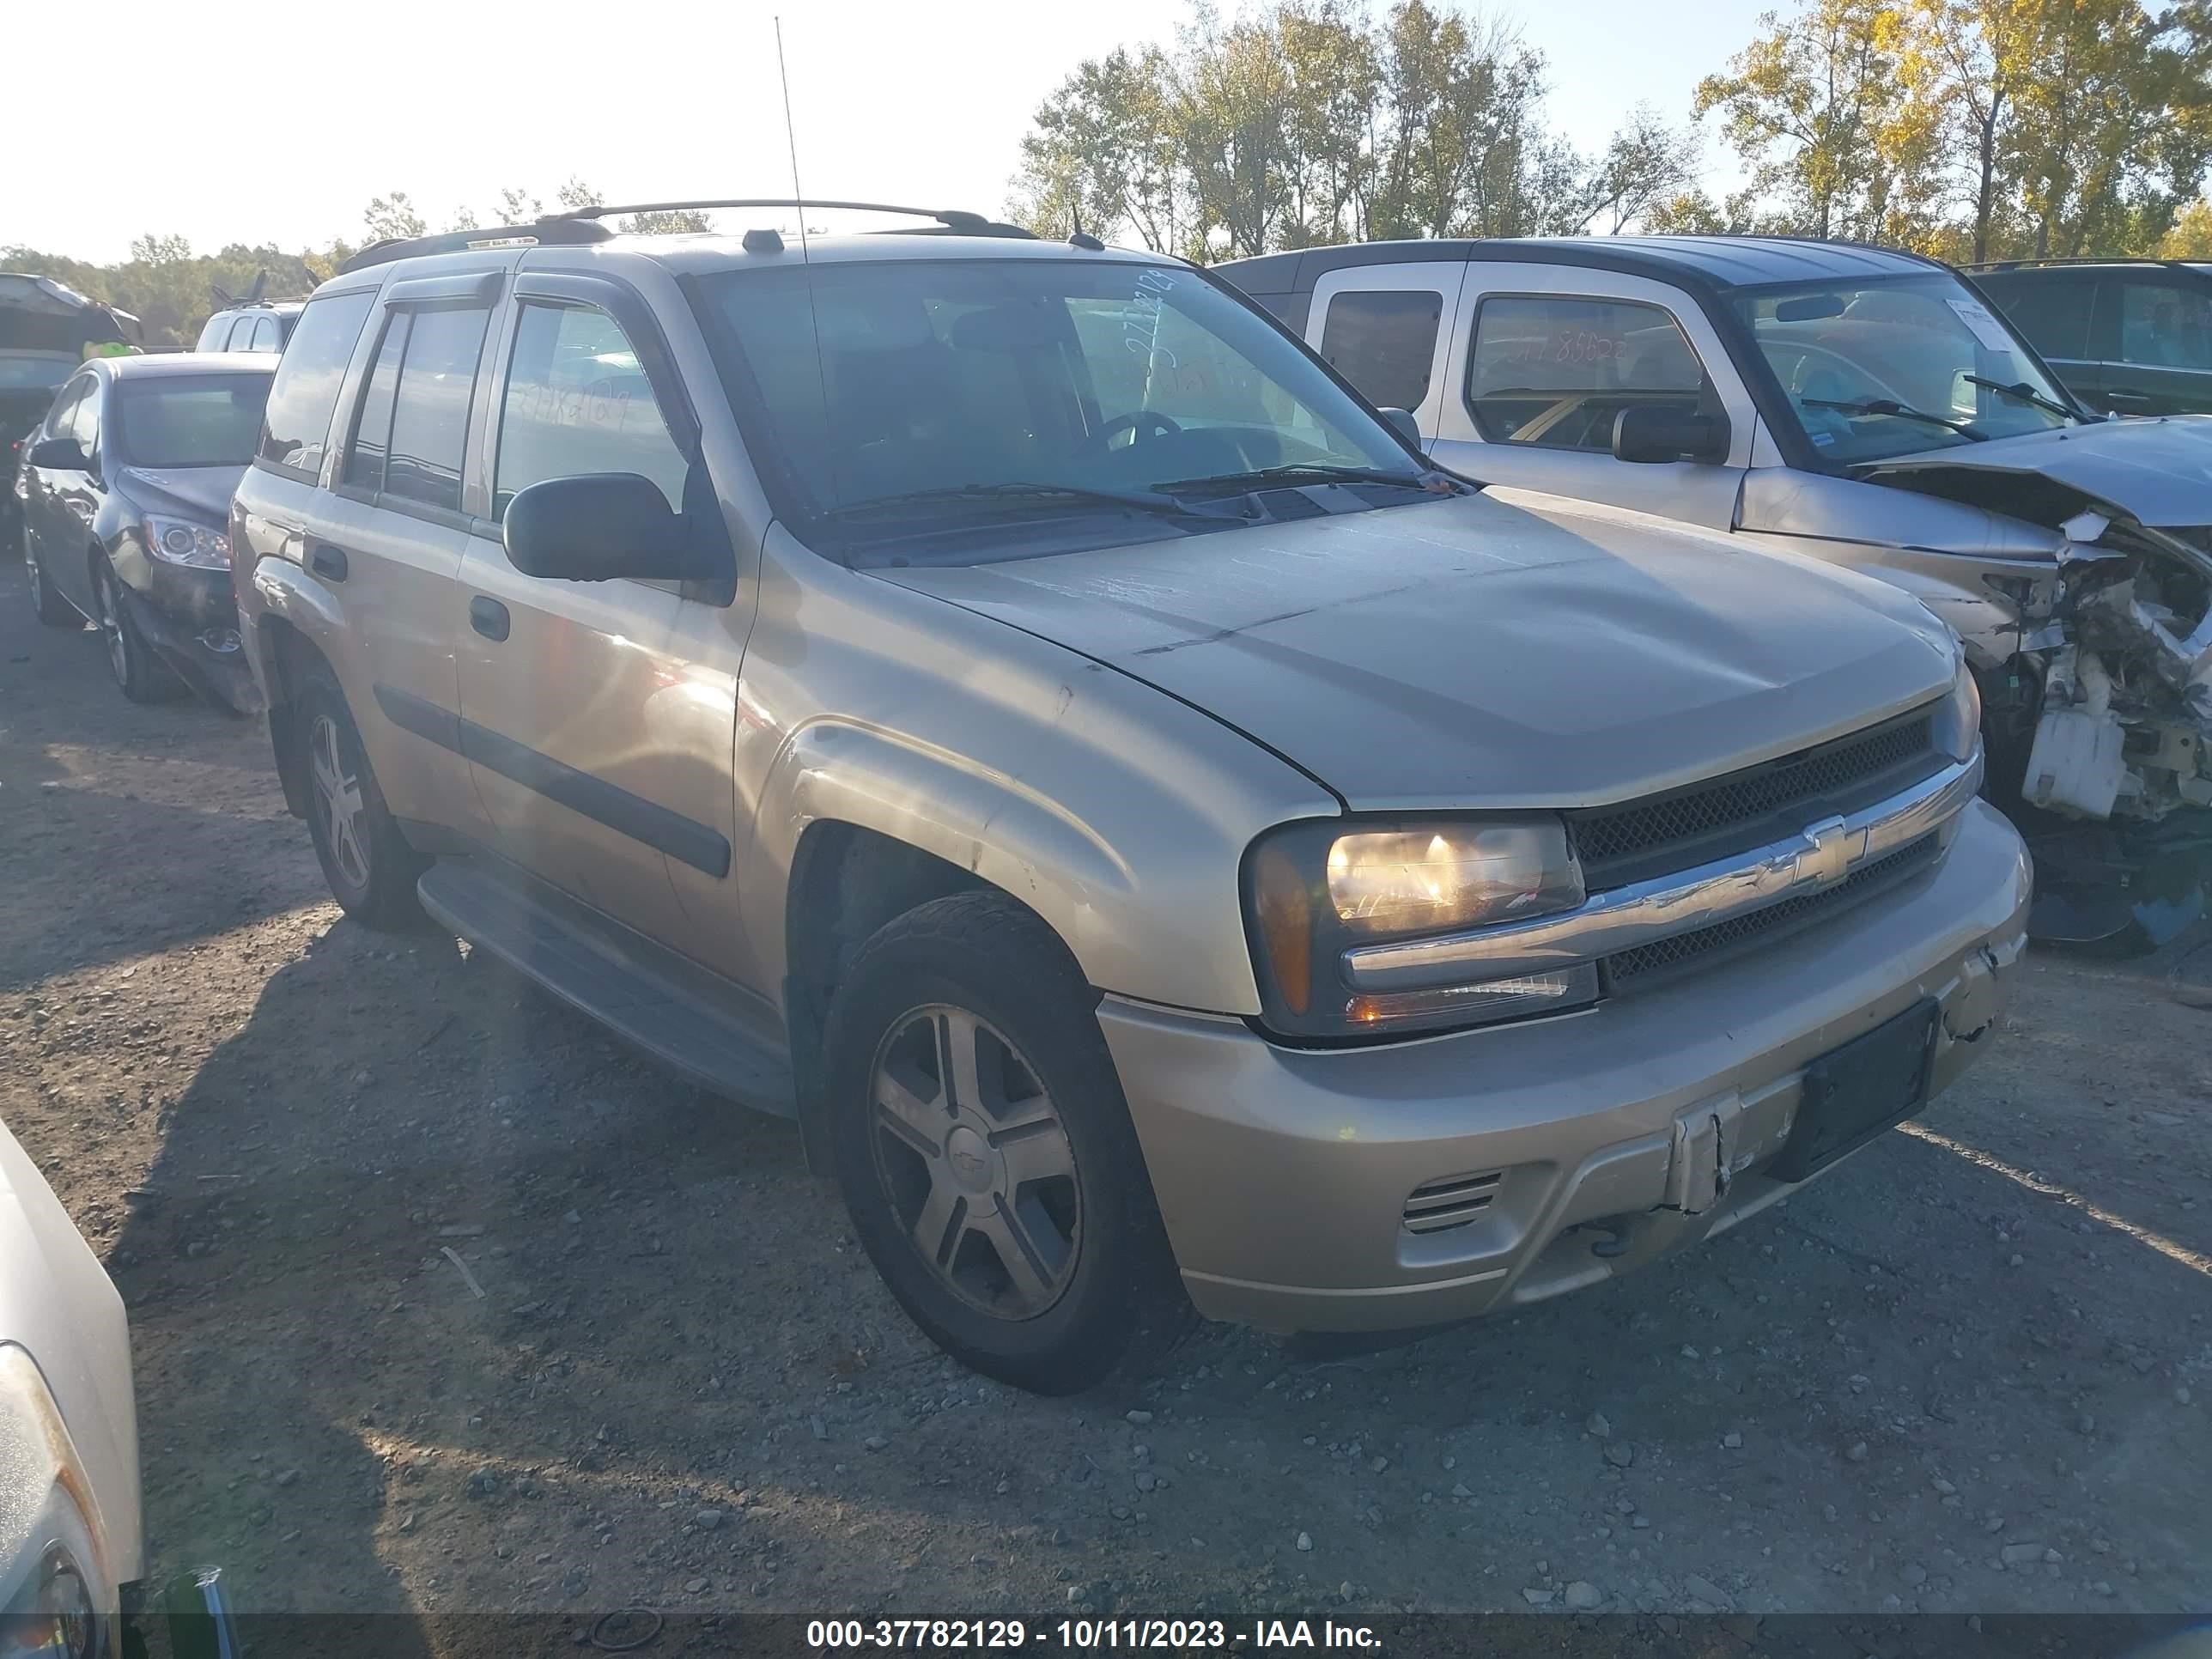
[1830, 851]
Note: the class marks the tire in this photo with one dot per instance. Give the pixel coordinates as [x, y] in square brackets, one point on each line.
[370, 867]
[1041, 1170]
[137, 668]
[46, 602]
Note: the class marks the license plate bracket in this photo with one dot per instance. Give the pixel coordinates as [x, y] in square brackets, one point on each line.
[1851, 1094]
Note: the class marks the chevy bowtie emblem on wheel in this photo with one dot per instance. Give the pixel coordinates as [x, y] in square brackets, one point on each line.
[1829, 852]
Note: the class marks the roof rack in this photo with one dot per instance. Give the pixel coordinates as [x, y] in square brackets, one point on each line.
[957, 220]
[553, 228]
[2079, 260]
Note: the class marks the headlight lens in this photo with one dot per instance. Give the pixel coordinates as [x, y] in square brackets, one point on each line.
[1315, 888]
[1958, 717]
[178, 540]
[56, 1602]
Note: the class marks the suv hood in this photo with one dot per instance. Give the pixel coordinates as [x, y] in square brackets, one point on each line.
[58, 1305]
[1502, 650]
[2158, 472]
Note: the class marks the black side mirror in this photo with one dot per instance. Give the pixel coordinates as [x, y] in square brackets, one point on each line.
[1401, 422]
[596, 526]
[60, 454]
[1653, 432]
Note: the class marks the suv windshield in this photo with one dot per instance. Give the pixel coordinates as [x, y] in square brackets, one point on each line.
[1878, 369]
[944, 393]
[190, 420]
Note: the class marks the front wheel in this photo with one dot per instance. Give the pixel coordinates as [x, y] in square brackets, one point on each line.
[986, 1154]
[142, 675]
[370, 867]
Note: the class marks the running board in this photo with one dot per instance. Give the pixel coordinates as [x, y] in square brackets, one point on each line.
[689, 1019]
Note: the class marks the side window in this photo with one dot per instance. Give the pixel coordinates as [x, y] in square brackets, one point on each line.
[1385, 343]
[217, 331]
[577, 401]
[61, 419]
[262, 336]
[2053, 314]
[2163, 326]
[430, 406]
[305, 393]
[372, 427]
[84, 420]
[1556, 373]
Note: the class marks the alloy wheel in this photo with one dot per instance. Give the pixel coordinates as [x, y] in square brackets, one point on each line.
[338, 797]
[976, 1162]
[110, 626]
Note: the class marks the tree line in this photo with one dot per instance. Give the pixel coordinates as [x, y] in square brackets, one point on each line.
[172, 290]
[1968, 129]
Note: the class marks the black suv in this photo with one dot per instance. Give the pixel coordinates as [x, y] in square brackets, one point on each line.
[251, 325]
[2133, 336]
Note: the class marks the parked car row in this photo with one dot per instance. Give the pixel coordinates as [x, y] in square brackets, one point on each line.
[1868, 409]
[1095, 759]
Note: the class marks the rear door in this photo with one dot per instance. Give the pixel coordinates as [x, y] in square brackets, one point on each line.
[388, 537]
[1387, 329]
[1546, 357]
[2161, 363]
[2057, 310]
[600, 729]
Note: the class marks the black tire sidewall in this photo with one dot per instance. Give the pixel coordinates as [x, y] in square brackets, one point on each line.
[1023, 984]
[388, 896]
[145, 677]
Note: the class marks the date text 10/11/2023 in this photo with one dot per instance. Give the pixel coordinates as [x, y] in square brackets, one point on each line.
[1084, 1634]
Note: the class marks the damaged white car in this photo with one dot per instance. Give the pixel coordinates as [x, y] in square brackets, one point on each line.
[1863, 407]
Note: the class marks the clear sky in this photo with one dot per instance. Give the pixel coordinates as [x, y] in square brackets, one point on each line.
[279, 126]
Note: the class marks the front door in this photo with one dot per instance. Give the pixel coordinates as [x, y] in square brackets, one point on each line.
[1548, 357]
[71, 501]
[599, 729]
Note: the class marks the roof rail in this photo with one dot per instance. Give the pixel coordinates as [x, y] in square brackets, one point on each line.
[2078, 259]
[553, 228]
[956, 222]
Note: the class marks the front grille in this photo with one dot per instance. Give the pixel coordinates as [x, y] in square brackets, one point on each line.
[1768, 802]
[1646, 964]
[1438, 1206]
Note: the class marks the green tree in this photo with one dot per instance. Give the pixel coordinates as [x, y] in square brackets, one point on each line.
[1648, 166]
[393, 217]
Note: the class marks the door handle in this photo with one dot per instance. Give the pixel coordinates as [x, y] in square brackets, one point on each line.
[489, 618]
[327, 561]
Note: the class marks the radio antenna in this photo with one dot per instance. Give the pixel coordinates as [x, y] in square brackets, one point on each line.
[791, 137]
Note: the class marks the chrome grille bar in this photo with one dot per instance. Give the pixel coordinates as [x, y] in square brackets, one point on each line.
[1626, 918]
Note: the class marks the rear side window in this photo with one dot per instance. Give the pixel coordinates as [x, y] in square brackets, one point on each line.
[1556, 373]
[1385, 343]
[372, 431]
[430, 406]
[577, 401]
[306, 393]
[262, 338]
[217, 331]
[2164, 326]
[2053, 314]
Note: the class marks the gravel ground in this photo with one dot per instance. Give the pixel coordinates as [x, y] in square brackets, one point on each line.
[1969, 1372]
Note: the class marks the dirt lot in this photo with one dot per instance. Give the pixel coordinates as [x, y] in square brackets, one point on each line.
[1972, 1370]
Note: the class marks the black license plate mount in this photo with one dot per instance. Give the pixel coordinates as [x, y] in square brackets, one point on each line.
[1852, 1094]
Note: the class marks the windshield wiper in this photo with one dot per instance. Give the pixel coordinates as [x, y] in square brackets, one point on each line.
[1304, 472]
[1142, 501]
[2021, 390]
[1890, 406]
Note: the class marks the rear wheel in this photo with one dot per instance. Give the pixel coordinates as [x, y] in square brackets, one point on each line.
[986, 1152]
[370, 867]
[50, 606]
[142, 675]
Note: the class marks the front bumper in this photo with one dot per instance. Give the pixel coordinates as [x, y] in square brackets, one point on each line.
[189, 617]
[1284, 1175]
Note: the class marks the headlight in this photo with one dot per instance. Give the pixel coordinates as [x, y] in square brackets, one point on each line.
[1314, 890]
[178, 540]
[1958, 717]
[57, 1599]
